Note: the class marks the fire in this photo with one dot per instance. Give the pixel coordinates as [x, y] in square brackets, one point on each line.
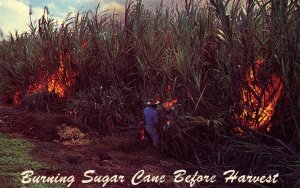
[259, 103]
[34, 88]
[170, 103]
[59, 82]
[17, 98]
[167, 105]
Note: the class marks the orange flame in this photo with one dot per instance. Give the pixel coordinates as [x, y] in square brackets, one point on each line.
[258, 103]
[170, 103]
[34, 88]
[59, 82]
[17, 98]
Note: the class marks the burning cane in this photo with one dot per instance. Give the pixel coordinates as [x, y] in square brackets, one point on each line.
[166, 113]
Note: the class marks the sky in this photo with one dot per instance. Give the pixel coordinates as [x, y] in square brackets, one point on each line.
[14, 14]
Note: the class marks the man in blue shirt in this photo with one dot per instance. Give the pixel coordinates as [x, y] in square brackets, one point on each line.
[151, 121]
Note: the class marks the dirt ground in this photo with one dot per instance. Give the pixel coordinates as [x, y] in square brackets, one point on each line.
[66, 147]
[121, 154]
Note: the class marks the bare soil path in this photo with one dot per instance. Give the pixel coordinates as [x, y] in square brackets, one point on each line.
[121, 154]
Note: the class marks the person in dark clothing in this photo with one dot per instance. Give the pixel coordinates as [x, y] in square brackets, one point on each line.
[151, 121]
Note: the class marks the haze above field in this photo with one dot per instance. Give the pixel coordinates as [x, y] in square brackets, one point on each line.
[14, 14]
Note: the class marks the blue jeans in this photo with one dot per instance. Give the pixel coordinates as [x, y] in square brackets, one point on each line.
[153, 134]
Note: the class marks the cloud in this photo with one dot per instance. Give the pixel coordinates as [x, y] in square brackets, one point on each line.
[52, 5]
[118, 4]
[14, 16]
[117, 8]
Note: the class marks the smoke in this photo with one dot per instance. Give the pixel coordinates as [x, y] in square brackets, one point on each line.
[119, 5]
